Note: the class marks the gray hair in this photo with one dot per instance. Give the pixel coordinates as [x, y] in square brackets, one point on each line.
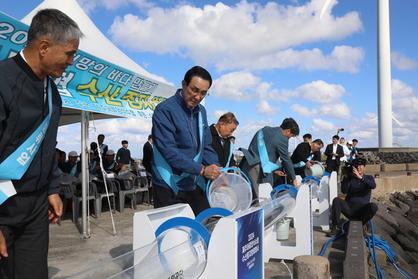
[55, 25]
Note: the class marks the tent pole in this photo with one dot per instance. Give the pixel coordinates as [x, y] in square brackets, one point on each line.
[84, 171]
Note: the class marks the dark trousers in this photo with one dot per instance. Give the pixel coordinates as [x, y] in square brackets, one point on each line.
[196, 199]
[24, 223]
[360, 212]
[332, 165]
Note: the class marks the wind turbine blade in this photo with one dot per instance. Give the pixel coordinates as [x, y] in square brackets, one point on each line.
[324, 8]
[396, 120]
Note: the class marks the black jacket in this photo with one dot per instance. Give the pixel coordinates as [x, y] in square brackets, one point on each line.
[22, 109]
[358, 191]
[147, 157]
[302, 152]
[222, 150]
[328, 153]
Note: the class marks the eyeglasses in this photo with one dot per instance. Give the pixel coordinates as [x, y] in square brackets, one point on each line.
[195, 91]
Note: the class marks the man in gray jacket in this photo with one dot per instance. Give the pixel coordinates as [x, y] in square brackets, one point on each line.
[268, 154]
[29, 100]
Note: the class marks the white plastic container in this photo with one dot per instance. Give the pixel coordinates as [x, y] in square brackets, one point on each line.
[230, 191]
[317, 170]
[282, 229]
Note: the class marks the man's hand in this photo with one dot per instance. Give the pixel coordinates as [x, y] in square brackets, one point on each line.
[356, 173]
[279, 173]
[296, 183]
[3, 246]
[211, 172]
[55, 208]
[308, 164]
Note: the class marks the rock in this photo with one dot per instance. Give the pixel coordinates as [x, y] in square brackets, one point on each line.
[307, 267]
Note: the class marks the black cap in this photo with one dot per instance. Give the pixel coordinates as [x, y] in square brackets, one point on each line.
[359, 161]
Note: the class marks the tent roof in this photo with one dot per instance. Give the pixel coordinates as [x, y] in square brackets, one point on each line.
[93, 42]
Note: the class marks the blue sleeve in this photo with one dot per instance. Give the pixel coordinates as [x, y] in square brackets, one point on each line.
[209, 155]
[163, 131]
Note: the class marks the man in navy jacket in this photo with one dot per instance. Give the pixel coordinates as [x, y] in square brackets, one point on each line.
[356, 206]
[182, 144]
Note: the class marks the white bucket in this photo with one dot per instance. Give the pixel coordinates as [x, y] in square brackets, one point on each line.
[282, 229]
[230, 191]
[317, 170]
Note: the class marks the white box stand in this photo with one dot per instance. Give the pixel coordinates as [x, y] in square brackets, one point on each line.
[321, 203]
[302, 219]
[227, 255]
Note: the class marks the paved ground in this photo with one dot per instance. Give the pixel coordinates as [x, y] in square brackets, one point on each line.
[69, 254]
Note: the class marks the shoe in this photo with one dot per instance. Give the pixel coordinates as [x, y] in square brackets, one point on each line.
[332, 232]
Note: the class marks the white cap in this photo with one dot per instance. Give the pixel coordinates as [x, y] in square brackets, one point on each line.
[110, 152]
[73, 154]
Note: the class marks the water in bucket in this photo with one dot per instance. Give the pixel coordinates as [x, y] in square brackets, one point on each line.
[230, 191]
[317, 170]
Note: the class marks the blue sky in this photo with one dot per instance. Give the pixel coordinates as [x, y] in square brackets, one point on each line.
[269, 60]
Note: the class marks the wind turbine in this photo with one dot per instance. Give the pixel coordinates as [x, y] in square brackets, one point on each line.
[384, 97]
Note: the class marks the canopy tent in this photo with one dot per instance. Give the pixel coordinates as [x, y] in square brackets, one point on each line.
[102, 80]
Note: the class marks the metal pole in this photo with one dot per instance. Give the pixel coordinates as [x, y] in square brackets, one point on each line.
[84, 171]
[384, 76]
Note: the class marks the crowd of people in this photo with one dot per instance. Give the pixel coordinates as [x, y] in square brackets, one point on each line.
[180, 156]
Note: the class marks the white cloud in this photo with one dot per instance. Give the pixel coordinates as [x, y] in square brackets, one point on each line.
[302, 110]
[341, 59]
[319, 125]
[264, 107]
[236, 86]
[242, 85]
[401, 89]
[402, 62]
[244, 35]
[320, 91]
[335, 110]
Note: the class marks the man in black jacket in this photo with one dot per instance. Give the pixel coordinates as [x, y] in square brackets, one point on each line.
[358, 189]
[28, 98]
[305, 154]
[334, 152]
[147, 155]
[222, 139]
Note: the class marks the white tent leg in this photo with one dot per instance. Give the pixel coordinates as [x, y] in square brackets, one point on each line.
[84, 171]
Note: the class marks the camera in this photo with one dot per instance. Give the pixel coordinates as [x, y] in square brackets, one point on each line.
[347, 171]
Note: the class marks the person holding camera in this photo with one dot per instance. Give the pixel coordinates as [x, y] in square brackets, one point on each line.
[356, 205]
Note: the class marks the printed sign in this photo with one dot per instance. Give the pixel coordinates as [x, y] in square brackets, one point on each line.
[91, 83]
[250, 245]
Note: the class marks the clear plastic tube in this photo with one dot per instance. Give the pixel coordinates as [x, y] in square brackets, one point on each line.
[178, 253]
[277, 208]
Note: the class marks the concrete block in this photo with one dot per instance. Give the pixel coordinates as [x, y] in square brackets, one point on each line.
[372, 169]
[393, 167]
[412, 166]
[391, 184]
[310, 267]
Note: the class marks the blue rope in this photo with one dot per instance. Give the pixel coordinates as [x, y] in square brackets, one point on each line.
[373, 241]
[329, 241]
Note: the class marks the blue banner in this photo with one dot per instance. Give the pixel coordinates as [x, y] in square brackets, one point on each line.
[250, 245]
[91, 83]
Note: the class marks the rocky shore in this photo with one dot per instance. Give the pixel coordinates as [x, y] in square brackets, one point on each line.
[397, 222]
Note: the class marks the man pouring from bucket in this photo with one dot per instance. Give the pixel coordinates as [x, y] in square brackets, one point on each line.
[183, 155]
[305, 155]
[268, 153]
